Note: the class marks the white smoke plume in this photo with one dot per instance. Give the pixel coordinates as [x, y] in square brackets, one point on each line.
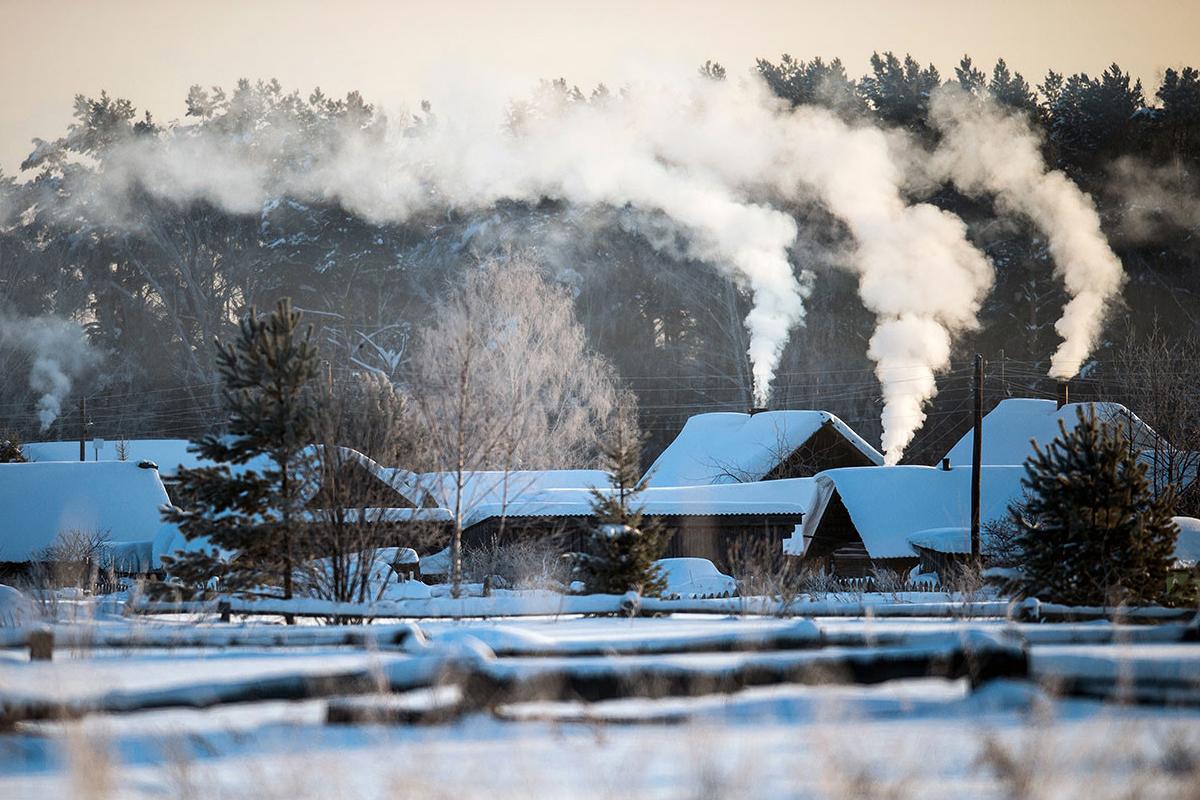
[695, 152]
[986, 150]
[917, 272]
[58, 352]
[667, 151]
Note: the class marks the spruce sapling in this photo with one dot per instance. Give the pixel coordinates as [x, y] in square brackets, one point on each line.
[1092, 531]
[247, 506]
[623, 545]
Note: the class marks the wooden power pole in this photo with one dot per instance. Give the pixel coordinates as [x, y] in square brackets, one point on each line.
[976, 458]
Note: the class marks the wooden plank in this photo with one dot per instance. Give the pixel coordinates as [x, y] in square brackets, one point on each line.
[414, 673]
[485, 683]
[154, 636]
[1138, 691]
[797, 634]
[552, 604]
[978, 659]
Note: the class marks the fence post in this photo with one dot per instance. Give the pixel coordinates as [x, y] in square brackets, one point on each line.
[41, 645]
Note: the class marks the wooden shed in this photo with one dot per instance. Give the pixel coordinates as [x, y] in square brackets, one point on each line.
[866, 519]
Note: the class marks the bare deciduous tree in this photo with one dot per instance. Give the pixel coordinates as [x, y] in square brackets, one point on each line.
[504, 380]
[73, 559]
[1156, 376]
[356, 521]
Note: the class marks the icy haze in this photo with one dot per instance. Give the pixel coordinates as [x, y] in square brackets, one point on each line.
[722, 162]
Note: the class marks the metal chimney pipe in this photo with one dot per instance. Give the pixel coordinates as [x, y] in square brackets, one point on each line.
[946, 464]
[757, 410]
[1063, 393]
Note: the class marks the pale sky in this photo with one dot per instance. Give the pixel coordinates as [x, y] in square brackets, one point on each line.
[399, 52]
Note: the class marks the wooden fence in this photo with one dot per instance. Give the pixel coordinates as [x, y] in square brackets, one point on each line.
[552, 604]
[870, 584]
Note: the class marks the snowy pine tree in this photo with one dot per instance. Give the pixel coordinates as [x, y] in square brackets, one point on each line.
[623, 545]
[248, 505]
[1092, 532]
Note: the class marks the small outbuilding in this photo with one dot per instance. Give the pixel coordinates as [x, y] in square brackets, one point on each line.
[867, 519]
[117, 503]
[347, 488]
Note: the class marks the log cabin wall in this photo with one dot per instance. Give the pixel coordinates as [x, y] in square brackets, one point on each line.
[717, 537]
[835, 532]
[837, 547]
[353, 485]
[943, 564]
[825, 449]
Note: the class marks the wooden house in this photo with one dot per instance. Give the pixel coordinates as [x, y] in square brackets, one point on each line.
[867, 519]
[703, 521]
[343, 487]
[1015, 424]
[726, 447]
[106, 509]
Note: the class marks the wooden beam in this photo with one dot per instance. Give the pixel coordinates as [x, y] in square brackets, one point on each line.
[551, 604]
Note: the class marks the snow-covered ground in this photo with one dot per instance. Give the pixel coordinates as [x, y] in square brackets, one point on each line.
[925, 738]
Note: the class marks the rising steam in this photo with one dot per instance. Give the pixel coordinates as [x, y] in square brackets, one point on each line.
[694, 152]
[706, 157]
[670, 151]
[917, 272]
[986, 150]
[58, 353]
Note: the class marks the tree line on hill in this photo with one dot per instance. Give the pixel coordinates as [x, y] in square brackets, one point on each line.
[155, 281]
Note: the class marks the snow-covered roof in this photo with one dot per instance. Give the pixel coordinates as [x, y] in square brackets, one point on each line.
[407, 484]
[728, 447]
[116, 499]
[1010, 426]
[790, 497]
[1187, 546]
[891, 505]
[168, 454]
[943, 540]
[500, 487]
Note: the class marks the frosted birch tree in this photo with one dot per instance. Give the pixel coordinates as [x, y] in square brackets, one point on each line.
[504, 381]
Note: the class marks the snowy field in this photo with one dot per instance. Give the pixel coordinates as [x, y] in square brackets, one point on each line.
[903, 737]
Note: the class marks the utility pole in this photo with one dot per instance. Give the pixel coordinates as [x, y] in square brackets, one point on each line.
[976, 459]
[82, 428]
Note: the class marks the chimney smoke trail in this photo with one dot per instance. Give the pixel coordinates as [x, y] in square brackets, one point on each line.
[986, 150]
